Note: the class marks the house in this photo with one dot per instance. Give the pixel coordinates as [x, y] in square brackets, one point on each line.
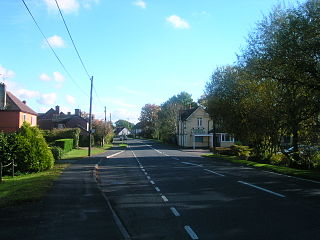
[195, 129]
[121, 132]
[137, 130]
[14, 112]
[53, 118]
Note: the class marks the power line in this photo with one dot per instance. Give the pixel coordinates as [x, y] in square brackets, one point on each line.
[55, 54]
[65, 24]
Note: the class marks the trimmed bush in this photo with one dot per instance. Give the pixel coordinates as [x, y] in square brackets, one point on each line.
[65, 144]
[57, 152]
[278, 159]
[52, 135]
[243, 152]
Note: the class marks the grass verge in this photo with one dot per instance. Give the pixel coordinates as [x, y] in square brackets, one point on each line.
[83, 152]
[308, 174]
[28, 187]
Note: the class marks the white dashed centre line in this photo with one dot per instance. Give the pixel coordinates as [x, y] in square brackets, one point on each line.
[175, 212]
[152, 182]
[191, 233]
[262, 189]
[148, 177]
[207, 170]
[157, 189]
[165, 198]
[193, 164]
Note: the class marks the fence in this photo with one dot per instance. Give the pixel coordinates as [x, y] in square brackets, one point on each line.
[4, 166]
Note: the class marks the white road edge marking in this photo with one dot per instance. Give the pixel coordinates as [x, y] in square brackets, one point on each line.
[165, 198]
[191, 233]
[262, 189]
[193, 164]
[175, 212]
[288, 176]
[114, 154]
[219, 174]
[157, 189]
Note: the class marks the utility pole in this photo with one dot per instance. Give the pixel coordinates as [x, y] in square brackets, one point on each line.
[110, 117]
[90, 119]
[105, 114]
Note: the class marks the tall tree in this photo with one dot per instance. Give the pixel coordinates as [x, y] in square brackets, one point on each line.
[148, 119]
[124, 123]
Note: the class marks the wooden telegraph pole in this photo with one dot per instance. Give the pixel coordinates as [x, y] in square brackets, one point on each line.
[90, 119]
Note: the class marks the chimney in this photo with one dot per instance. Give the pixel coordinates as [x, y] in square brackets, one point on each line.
[24, 101]
[57, 109]
[77, 112]
[3, 96]
[69, 113]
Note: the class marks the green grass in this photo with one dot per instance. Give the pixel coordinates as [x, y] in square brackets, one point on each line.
[28, 187]
[123, 145]
[83, 152]
[309, 174]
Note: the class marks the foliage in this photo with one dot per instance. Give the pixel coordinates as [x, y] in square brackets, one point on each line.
[243, 152]
[65, 144]
[52, 135]
[57, 152]
[103, 131]
[124, 123]
[148, 120]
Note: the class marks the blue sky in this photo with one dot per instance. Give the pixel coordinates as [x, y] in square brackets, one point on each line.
[138, 51]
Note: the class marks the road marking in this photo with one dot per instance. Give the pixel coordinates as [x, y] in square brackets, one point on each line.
[148, 177]
[166, 155]
[114, 154]
[145, 173]
[302, 179]
[175, 158]
[191, 233]
[175, 212]
[141, 167]
[157, 189]
[221, 175]
[152, 182]
[262, 189]
[165, 198]
[143, 170]
[193, 164]
[134, 154]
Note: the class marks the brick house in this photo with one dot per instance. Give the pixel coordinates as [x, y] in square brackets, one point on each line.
[14, 112]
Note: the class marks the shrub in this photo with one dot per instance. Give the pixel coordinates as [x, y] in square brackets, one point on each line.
[224, 151]
[109, 138]
[278, 159]
[243, 152]
[52, 135]
[57, 152]
[30, 150]
[65, 144]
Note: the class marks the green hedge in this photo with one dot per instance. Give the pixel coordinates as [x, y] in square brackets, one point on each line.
[65, 144]
[57, 152]
[52, 135]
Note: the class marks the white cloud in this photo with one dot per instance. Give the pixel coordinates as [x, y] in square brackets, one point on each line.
[5, 73]
[178, 22]
[67, 6]
[26, 94]
[88, 3]
[47, 99]
[140, 3]
[55, 42]
[130, 115]
[70, 100]
[44, 77]
[58, 77]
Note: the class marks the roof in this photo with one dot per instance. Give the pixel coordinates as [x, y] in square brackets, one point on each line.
[14, 104]
[184, 114]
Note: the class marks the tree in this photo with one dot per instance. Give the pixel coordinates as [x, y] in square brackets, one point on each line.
[124, 123]
[148, 119]
[103, 131]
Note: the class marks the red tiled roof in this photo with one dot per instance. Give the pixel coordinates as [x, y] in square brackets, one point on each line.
[19, 105]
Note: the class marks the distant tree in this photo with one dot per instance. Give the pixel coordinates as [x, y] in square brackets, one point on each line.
[148, 119]
[124, 123]
[102, 132]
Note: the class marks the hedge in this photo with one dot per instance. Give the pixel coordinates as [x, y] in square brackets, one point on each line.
[52, 135]
[57, 152]
[65, 144]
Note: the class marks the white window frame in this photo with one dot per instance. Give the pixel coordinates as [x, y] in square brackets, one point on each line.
[199, 122]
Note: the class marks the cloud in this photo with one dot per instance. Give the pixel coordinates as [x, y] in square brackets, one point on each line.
[67, 6]
[26, 94]
[70, 100]
[118, 102]
[58, 77]
[178, 22]
[130, 115]
[44, 77]
[88, 3]
[141, 4]
[47, 99]
[5, 73]
[55, 42]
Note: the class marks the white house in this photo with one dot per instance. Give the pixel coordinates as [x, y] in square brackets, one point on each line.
[195, 130]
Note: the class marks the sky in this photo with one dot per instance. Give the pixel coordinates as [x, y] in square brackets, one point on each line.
[138, 51]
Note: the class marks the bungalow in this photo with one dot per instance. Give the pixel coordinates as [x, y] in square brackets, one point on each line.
[121, 132]
[13, 112]
[195, 129]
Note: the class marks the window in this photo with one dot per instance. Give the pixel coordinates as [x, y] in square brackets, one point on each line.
[198, 139]
[24, 117]
[225, 137]
[199, 121]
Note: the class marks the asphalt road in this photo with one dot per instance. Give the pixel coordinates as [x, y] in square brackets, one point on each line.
[158, 192]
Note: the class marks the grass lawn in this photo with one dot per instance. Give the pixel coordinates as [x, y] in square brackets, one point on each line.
[309, 174]
[83, 152]
[28, 187]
